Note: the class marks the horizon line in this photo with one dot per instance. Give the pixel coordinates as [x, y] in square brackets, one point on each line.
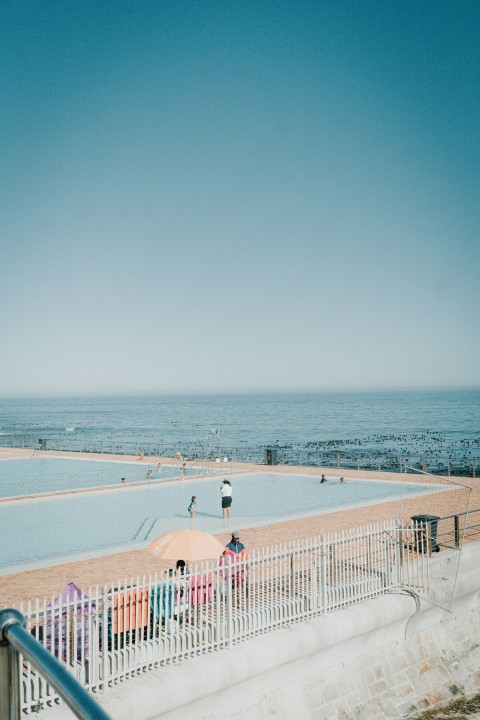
[216, 393]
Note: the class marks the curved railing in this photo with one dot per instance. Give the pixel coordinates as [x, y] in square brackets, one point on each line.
[15, 640]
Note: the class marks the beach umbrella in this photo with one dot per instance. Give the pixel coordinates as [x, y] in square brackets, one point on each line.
[188, 545]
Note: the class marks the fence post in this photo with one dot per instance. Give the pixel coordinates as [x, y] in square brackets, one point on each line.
[292, 576]
[313, 583]
[388, 566]
[10, 708]
[456, 524]
[104, 636]
[323, 575]
[399, 550]
[229, 603]
[332, 565]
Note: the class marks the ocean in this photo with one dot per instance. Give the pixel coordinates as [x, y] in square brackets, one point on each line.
[382, 426]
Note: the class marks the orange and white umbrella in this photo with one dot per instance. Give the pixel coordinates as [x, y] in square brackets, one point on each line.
[188, 545]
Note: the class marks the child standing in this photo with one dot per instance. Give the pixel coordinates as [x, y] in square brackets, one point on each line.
[191, 507]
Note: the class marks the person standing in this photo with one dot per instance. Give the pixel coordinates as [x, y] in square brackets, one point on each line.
[191, 507]
[235, 545]
[226, 493]
[235, 554]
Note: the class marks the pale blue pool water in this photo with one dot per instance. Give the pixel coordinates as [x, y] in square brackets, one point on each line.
[30, 476]
[53, 529]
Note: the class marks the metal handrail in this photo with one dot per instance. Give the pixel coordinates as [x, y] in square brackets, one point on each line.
[15, 639]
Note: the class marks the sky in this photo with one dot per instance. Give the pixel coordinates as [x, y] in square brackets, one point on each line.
[238, 196]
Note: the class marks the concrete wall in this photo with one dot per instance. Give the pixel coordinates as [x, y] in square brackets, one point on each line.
[387, 658]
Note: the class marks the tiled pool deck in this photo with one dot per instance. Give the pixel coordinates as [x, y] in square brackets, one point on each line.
[30, 584]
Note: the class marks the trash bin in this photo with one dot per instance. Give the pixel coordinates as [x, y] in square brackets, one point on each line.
[42, 444]
[271, 456]
[420, 523]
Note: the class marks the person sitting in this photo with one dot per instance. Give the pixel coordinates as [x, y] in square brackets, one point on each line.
[180, 607]
[169, 599]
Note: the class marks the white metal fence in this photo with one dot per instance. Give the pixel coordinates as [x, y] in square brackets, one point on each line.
[107, 635]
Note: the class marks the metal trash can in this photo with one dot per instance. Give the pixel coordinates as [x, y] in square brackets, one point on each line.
[42, 444]
[271, 456]
[426, 542]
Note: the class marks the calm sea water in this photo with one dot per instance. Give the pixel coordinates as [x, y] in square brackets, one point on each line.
[441, 421]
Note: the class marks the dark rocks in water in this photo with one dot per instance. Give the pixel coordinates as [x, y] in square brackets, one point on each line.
[430, 451]
[434, 452]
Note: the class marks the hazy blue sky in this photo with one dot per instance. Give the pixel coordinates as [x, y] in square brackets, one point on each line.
[215, 196]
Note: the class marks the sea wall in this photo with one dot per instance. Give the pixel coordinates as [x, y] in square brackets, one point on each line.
[387, 658]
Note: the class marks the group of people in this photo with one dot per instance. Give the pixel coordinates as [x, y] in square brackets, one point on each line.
[173, 603]
[226, 495]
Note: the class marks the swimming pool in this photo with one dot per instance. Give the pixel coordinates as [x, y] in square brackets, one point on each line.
[58, 528]
[34, 475]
